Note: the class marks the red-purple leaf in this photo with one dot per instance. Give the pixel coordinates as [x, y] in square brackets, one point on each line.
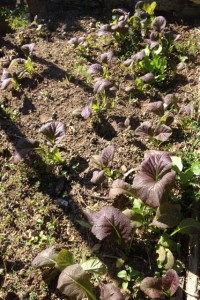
[111, 292]
[54, 131]
[128, 62]
[23, 148]
[139, 56]
[148, 78]
[152, 287]
[169, 100]
[159, 24]
[102, 84]
[98, 177]
[145, 129]
[95, 69]
[154, 179]
[120, 187]
[162, 132]
[17, 61]
[5, 83]
[110, 222]
[107, 57]
[86, 112]
[45, 258]
[28, 49]
[156, 107]
[170, 281]
[107, 155]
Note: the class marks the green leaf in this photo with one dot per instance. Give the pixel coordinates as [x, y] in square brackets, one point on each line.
[188, 226]
[186, 176]
[150, 8]
[94, 265]
[177, 163]
[84, 224]
[166, 242]
[64, 259]
[75, 283]
[195, 168]
[122, 274]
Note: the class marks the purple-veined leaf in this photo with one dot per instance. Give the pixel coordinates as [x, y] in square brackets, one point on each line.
[17, 61]
[54, 132]
[111, 292]
[159, 23]
[107, 57]
[168, 215]
[45, 258]
[162, 132]
[120, 187]
[145, 129]
[152, 287]
[97, 177]
[154, 179]
[110, 222]
[156, 107]
[28, 49]
[169, 100]
[148, 78]
[139, 56]
[23, 148]
[107, 155]
[102, 84]
[75, 283]
[170, 281]
[95, 69]
[5, 83]
[86, 112]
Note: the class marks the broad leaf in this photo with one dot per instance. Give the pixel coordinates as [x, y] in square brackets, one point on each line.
[159, 23]
[120, 187]
[86, 112]
[107, 57]
[54, 132]
[111, 292]
[107, 155]
[166, 257]
[102, 84]
[45, 258]
[152, 287]
[97, 177]
[74, 283]
[177, 163]
[110, 222]
[170, 281]
[154, 179]
[28, 49]
[139, 56]
[5, 83]
[188, 226]
[23, 148]
[148, 78]
[169, 100]
[145, 129]
[95, 69]
[156, 107]
[168, 215]
[94, 265]
[64, 259]
[162, 133]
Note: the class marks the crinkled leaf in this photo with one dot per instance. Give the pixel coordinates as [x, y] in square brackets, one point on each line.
[28, 49]
[170, 281]
[75, 283]
[152, 287]
[107, 57]
[110, 222]
[111, 292]
[102, 84]
[154, 179]
[156, 107]
[97, 177]
[64, 259]
[148, 78]
[145, 129]
[45, 258]
[162, 132]
[86, 112]
[188, 226]
[139, 56]
[107, 155]
[159, 23]
[120, 187]
[94, 265]
[23, 148]
[168, 215]
[54, 132]
[95, 69]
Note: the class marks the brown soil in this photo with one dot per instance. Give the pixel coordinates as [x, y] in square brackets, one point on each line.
[31, 215]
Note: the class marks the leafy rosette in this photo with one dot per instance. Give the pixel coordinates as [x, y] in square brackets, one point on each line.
[161, 132]
[107, 57]
[95, 69]
[111, 292]
[145, 129]
[28, 49]
[159, 24]
[24, 147]
[157, 287]
[54, 132]
[110, 222]
[154, 179]
[102, 84]
[6, 79]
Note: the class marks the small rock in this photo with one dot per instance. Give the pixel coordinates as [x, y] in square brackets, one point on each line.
[62, 202]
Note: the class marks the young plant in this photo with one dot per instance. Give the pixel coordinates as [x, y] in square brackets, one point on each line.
[54, 132]
[161, 133]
